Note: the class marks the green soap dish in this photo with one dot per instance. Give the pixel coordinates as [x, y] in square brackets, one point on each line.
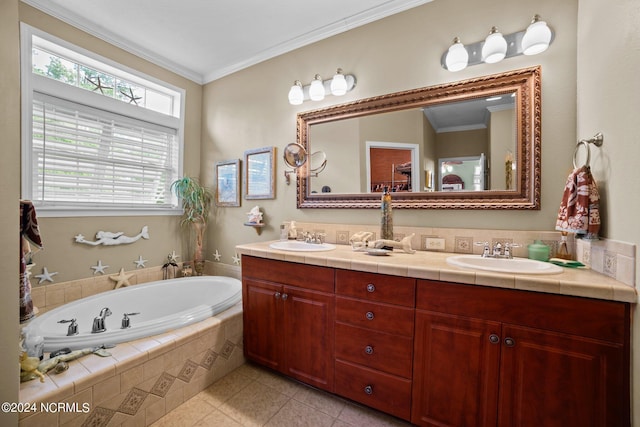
[566, 263]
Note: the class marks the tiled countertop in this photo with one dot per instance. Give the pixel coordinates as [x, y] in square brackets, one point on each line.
[433, 266]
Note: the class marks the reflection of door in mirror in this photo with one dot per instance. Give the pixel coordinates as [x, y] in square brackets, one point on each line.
[462, 173]
[390, 164]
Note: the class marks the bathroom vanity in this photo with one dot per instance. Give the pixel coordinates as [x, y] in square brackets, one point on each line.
[438, 345]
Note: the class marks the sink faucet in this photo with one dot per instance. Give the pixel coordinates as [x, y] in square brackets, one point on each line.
[498, 251]
[316, 238]
[98, 322]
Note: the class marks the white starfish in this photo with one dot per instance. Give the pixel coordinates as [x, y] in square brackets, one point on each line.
[140, 262]
[121, 278]
[99, 268]
[216, 255]
[45, 275]
[236, 259]
[173, 257]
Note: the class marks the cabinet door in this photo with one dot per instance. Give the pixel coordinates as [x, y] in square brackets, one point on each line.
[308, 328]
[552, 379]
[455, 371]
[262, 311]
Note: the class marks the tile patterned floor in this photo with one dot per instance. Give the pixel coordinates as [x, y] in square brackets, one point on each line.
[252, 396]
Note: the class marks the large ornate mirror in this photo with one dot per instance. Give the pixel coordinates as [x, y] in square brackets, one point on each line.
[473, 144]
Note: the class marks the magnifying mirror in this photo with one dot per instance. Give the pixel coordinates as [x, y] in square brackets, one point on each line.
[295, 155]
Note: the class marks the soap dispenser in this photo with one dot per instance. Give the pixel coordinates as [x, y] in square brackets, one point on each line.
[538, 251]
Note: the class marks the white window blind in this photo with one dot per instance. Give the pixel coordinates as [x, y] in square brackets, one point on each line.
[83, 157]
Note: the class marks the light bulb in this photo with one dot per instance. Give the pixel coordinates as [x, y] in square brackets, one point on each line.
[296, 95]
[457, 56]
[338, 83]
[537, 37]
[495, 47]
[316, 91]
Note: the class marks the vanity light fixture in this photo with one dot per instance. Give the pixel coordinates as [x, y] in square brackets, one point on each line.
[339, 85]
[535, 39]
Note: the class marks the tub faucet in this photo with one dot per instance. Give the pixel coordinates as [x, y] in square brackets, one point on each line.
[98, 322]
[126, 322]
[73, 327]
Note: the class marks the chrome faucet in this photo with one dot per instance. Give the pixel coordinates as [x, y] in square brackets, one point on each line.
[498, 251]
[316, 238]
[98, 322]
[73, 327]
[126, 322]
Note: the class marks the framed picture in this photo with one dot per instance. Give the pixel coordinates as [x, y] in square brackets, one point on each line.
[259, 173]
[228, 183]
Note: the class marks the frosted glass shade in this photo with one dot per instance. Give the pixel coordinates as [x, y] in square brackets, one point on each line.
[339, 84]
[495, 47]
[316, 90]
[296, 95]
[457, 56]
[537, 38]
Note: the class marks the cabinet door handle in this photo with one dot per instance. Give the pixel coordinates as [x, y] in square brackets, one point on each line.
[368, 389]
[368, 349]
[277, 295]
[371, 287]
[494, 339]
[509, 342]
[284, 296]
[369, 315]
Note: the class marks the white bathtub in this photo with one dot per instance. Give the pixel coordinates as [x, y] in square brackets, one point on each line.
[163, 306]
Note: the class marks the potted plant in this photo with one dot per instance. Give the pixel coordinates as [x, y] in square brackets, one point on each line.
[196, 203]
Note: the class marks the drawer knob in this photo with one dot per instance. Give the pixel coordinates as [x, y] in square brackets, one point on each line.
[369, 390]
[284, 296]
[369, 315]
[494, 339]
[368, 349]
[277, 295]
[371, 287]
[509, 342]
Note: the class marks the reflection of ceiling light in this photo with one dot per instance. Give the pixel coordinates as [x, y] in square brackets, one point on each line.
[535, 39]
[493, 98]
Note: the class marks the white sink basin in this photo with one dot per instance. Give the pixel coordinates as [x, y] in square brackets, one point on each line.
[297, 246]
[504, 265]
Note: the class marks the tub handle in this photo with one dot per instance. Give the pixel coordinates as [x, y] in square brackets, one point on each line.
[73, 327]
[126, 322]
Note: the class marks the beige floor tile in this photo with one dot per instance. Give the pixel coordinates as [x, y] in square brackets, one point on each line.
[356, 415]
[225, 388]
[324, 402]
[297, 414]
[279, 383]
[186, 415]
[254, 405]
[217, 419]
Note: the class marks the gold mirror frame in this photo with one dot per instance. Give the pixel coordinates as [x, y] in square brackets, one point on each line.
[526, 83]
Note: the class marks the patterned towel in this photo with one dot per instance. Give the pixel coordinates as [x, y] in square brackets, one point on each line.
[580, 206]
[29, 232]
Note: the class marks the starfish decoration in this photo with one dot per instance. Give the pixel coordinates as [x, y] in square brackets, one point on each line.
[98, 86]
[79, 238]
[121, 278]
[131, 96]
[99, 268]
[236, 259]
[45, 275]
[173, 257]
[140, 262]
[216, 255]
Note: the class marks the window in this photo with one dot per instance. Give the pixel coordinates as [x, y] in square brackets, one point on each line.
[98, 138]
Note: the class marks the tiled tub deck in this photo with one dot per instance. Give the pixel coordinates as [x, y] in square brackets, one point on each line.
[142, 380]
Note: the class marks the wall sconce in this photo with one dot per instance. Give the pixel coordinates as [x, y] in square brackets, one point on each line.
[318, 88]
[535, 39]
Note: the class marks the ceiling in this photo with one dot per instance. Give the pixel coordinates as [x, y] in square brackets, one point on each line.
[204, 40]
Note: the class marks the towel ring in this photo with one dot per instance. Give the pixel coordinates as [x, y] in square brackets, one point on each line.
[597, 140]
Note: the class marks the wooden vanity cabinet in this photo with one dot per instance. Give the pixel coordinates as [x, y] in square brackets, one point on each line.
[288, 314]
[374, 340]
[496, 357]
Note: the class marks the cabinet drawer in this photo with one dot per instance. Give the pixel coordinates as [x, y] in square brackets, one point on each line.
[377, 350]
[376, 389]
[376, 316]
[289, 273]
[376, 287]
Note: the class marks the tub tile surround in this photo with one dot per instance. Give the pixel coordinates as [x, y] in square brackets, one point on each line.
[142, 380]
[612, 258]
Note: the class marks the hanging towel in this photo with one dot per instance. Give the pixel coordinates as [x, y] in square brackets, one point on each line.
[580, 206]
[29, 234]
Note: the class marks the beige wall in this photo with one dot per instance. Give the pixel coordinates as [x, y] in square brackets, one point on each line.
[608, 87]
[72, 260]
[9, 194]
